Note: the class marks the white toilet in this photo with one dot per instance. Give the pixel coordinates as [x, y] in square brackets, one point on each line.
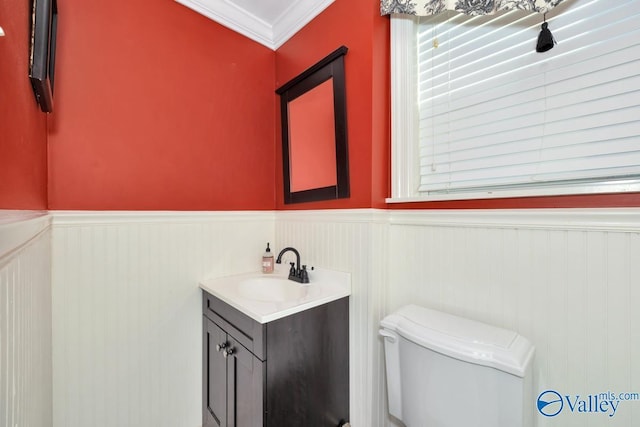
[447, 371]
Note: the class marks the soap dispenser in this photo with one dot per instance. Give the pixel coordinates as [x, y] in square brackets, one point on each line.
[267, 261]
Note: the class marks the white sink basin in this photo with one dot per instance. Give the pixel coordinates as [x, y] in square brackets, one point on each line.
[268, 297]
[272, 289]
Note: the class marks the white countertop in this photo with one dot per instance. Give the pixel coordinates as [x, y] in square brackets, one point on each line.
[324, 286]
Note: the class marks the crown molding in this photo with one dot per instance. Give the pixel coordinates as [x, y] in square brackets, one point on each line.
[271, 35]
[294, 18]
[234, 18]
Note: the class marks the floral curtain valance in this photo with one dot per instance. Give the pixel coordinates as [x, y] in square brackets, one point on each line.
[468, 7]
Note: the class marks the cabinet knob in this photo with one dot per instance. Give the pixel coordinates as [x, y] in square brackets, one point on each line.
[221, 346]
[228, 352]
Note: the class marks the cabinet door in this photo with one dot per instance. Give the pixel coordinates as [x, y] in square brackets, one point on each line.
[214, 383]
[308, 367]
[245, 377]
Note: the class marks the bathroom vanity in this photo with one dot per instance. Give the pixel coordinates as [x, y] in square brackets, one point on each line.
[278, 357]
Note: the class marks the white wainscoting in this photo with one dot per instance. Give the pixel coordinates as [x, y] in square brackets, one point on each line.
[126, 307]
[354, 241]
[126, 304]
[127, 325]
[25, 320]
[569, 280]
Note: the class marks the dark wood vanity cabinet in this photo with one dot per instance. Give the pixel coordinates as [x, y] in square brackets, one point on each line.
[293, 371]
[233, 389]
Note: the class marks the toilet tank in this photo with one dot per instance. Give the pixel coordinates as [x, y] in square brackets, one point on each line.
[448, 371]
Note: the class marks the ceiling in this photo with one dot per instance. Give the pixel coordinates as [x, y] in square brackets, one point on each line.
[269, 22]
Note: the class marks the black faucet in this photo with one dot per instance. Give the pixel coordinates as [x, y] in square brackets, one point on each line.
[296, 273]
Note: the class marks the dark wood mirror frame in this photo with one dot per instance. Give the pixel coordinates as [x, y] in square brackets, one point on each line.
[330, 67]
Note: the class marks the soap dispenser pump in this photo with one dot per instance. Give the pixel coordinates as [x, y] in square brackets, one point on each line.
[267, 261]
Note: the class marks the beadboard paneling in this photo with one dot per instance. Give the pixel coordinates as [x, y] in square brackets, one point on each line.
[127, 310]
[126, 313]
[25, 320]
[354, 241]
[568, 281]
[565, 279]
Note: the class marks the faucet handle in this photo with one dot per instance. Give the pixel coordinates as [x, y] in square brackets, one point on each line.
[304, 276]
[292, 270]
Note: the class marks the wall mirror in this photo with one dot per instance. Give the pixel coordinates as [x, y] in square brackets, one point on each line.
[314, 132]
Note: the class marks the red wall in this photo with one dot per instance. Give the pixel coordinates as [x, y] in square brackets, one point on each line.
[158, 107]
[358, 25]
[23, 127]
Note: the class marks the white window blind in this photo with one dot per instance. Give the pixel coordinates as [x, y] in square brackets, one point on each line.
[496, 118]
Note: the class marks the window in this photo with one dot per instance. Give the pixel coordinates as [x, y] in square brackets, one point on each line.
[478, 113]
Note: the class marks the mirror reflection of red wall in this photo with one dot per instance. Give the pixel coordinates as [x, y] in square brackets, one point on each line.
[312, 145]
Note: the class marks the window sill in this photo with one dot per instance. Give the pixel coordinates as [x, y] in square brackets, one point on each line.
[614, 187]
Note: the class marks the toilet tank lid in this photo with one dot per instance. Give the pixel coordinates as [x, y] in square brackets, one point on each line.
[462, 338]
